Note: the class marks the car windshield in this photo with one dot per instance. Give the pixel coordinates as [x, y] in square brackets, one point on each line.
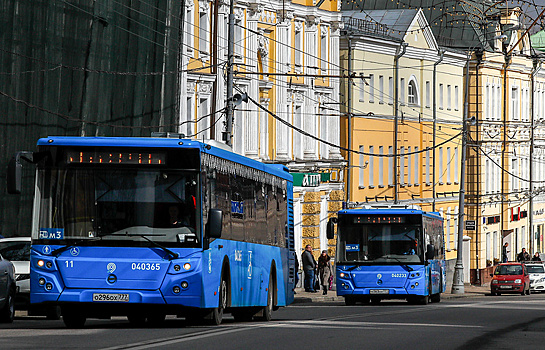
[15, 250]
[83, 203]
[535, 269]
[508, 270]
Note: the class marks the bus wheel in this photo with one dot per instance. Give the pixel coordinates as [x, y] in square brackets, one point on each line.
[53, 313]
[216, 315]
[137, 320]
[267, 310]
[156, 319]
[424, 300]
[73, 319]
[436, 298]
[349, 300]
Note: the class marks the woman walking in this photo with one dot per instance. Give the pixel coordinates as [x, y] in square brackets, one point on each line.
[325, 270]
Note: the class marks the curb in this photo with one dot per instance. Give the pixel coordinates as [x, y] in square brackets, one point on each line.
[322, 299]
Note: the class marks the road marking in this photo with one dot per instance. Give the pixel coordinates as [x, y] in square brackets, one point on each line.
[382, 324]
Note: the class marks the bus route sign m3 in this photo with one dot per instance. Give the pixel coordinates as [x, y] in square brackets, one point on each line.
[51, 233]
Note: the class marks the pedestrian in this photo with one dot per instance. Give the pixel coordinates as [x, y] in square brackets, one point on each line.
[536, 257]
[296, 274]
[325, 270]
[523, 256]
[309, 265]
[504, 253]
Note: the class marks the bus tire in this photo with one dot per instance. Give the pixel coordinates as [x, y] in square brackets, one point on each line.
[137, 320]
[73, 319]
[156, 319]
[53, 312]
[423, 300]
[349, 300]
[267, 310]
[436, 298]
[215, 317]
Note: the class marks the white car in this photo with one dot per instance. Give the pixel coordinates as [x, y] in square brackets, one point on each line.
[17, 250]
[537, 276]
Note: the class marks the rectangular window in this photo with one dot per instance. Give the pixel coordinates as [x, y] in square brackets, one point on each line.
[488, 258]
[449, 167]
[390, 90]
[428, 94]
[449, 96]
[381, 166]
[441, 169]
[362, 90]
[416, 157]
[409, 167]
[487, 177]
[514, 171]
[428, 167]
[402, 91]
[381, 89]
[390, 166]
[323, 52]
[487, 102]
[456, 98]
[203, 34]
[402, 166]
[498, 103]
[456, 165]
[239, 39]
[298, 47]
[515, 103]
[496, 245]
[361, 167]
[371, 88]
[371, 168]
[447, 234]
[440, 96]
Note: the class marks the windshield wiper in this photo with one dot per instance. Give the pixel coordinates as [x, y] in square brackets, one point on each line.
[170, 253]
[57, 251]
[399, 261]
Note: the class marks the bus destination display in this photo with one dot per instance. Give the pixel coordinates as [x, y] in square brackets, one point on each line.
[379, 219]
[136, 158]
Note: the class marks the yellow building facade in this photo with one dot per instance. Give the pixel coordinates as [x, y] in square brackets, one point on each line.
[408, 152]
[287, 61]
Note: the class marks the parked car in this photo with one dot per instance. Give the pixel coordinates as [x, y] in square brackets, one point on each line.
[537, 276]
[510, 278]
[17, 250]
[7, 290]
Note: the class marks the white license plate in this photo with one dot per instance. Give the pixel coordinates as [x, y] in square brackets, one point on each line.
[506, 287]
[110, 297]
[379, 291]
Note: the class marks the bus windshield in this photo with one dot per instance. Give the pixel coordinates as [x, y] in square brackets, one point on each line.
[379, 243]
[115, 203]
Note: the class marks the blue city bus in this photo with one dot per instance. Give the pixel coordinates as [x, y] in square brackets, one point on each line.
[149, 227]
[389, 253]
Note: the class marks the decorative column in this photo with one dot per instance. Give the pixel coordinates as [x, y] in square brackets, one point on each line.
[283, 64]
[334, 124]
[252, 116]
[309, 111]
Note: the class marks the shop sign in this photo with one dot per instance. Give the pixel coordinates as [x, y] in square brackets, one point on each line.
[309, 179]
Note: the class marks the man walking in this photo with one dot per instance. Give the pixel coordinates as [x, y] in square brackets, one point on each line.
[504, 253]
[309, 265]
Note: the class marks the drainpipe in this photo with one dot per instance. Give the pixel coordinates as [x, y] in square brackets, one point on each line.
[441, 54]
[349, 134]
[535, 69]
[403, 48]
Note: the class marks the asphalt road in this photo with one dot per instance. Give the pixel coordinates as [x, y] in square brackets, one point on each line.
[472, 323]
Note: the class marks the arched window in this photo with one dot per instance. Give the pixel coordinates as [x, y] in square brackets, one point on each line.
[412, 92]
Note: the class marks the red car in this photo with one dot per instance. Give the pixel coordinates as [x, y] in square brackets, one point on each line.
[510, 278]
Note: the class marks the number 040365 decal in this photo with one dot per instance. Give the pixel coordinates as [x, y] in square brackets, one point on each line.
[145, 266]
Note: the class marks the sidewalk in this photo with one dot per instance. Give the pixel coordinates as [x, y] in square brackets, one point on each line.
[318, 297]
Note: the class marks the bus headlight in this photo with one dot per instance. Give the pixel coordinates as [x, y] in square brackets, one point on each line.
[41, 263]
[41, 281]
[185, 284]
[176, 289]
[344, 275]
[48, 264]
[176, 267]
[187, 266]
[48, 286]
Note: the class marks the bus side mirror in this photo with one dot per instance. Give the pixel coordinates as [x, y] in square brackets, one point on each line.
[330, 229]
[15, 171]
[215, 223]
[15, 174]
[430, 252]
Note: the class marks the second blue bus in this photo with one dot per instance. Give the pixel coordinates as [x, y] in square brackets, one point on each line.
[389, 253]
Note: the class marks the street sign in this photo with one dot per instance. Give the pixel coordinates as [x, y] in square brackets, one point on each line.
[470, 225]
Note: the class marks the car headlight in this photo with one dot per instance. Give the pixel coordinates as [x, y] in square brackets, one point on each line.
[539, 280]
[518, 281]
[494, 281]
